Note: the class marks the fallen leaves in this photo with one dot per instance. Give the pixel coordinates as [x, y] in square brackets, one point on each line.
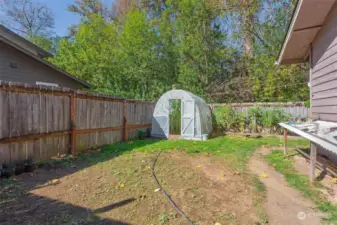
[334, 180]
[263, 175]
[158, 189]
[121, 185]
[217, 223]
[54, 181]
[199, 166]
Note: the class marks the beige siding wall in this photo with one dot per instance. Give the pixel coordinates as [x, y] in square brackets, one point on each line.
[324, 71]
[29, 70]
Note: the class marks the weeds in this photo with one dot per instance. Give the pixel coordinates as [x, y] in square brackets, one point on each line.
[164, 219]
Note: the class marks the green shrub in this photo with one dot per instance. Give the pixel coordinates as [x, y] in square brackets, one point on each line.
[272, 117]
[257, 120]
[227, 119]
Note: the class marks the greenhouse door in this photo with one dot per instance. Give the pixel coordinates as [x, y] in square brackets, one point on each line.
[187, 118]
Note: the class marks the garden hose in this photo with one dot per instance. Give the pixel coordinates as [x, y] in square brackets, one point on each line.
[165, 193]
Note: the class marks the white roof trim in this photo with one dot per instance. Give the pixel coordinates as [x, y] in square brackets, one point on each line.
[290, 30]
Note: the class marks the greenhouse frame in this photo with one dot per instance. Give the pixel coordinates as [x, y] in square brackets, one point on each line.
[196, 118]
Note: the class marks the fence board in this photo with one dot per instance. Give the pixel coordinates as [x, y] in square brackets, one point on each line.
[33, 120]
[4, 108]
[297, 110]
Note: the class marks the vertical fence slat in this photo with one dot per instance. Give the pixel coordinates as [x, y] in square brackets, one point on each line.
[72, 123]
[41, 122]
[296, 110]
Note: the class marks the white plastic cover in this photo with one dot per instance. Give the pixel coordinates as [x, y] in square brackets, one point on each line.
[196, 119]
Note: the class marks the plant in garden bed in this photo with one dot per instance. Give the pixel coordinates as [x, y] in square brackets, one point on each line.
[258, 120]
[29, 165]
[255, 121]
[19, 168]
[8, 170]
[271, 118]
[229, 120]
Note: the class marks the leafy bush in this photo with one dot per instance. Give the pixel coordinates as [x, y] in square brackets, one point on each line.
[228, 119]
[257, 120]
[271, 118]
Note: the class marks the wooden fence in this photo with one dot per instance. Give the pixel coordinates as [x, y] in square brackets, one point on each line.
[295, 109]
[42, 122]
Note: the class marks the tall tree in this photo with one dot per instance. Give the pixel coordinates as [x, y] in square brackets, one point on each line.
[221, 50]
[121, 7]
[271, 82]
[86, 8]
[29, 18]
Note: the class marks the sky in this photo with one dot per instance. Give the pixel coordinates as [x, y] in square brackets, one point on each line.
[63, 18]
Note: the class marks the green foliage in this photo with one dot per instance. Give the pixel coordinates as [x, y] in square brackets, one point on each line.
[271, 118]
[257, 120]
[139, 56]
[43, 42]
[118, 58]
[301, 182]
[279, 84]
[228, 119]
[271, 82]
[175, 116]
[199, 46]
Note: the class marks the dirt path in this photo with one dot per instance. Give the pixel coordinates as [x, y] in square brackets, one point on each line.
[284, 205]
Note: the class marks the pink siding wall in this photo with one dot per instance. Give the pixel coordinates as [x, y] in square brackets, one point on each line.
[324, 71]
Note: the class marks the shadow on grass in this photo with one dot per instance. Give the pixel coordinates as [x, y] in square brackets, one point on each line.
[19, 206]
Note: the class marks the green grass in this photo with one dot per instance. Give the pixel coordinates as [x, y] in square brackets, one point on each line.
[301, 182]
[237, 150]
[260, 194]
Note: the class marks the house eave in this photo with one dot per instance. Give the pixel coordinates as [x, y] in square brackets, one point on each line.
[303, 29]
[17, 47]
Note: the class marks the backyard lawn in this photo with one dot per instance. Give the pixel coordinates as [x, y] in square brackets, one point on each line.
[208, 180]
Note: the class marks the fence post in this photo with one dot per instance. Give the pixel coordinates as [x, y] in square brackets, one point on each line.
[285, 150]
[125, 123]
[313, 155]
[72, 124]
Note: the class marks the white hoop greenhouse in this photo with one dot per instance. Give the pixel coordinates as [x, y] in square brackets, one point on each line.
[196, 119]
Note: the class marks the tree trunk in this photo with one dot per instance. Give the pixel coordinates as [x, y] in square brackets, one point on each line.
[248, 22]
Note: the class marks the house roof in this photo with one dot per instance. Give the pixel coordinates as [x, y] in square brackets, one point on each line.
[20, 41]
[308, 18]
[22, 47]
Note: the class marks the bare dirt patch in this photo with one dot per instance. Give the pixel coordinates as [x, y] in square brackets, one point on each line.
[121, 191]
[329, 188]
[283, 203]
